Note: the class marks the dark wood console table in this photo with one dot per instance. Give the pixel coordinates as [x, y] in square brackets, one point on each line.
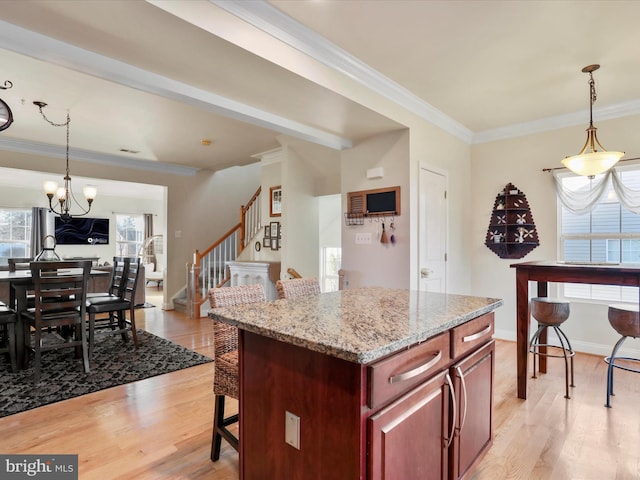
[544, 272]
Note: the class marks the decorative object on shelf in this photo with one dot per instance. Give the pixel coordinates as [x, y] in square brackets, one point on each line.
[593, 159]
[511, 233]
[65, 194]
[6, 116]
[275, 201]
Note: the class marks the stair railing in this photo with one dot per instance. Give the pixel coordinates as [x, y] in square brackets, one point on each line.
[209, 268]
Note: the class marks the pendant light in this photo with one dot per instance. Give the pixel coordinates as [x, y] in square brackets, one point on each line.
[593, 159]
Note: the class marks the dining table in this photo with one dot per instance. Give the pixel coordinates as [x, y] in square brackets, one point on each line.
[543, 272]
[21, 282]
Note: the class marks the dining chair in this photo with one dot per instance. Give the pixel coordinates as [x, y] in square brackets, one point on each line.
[117, 280]
[225, 353]
[297, 287]
[18, 263]
[60, 290]
[8, 328]
[116, 305]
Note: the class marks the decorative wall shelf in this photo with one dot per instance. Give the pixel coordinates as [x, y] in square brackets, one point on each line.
[512, 232]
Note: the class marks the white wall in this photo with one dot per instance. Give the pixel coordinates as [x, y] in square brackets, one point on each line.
[377, 264]
[520, 161]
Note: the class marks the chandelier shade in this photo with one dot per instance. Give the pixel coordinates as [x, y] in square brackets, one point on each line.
[593, 159]
[64, 195]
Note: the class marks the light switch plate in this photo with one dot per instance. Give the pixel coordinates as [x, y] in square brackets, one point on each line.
[292, 429]
[363, 238]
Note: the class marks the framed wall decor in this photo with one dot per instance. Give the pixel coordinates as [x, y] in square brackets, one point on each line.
[266, 242]
[267, 231]
[275, 202]
[274, 227]
[275, 243]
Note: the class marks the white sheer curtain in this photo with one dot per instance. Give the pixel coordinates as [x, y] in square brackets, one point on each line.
[586, 198]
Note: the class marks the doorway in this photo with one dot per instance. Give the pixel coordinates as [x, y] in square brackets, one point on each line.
[433, 219]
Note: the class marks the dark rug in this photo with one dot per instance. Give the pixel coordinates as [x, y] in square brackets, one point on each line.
[114, 363]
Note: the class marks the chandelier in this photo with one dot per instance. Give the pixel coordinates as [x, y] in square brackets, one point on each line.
[593, 159]
[64, 194]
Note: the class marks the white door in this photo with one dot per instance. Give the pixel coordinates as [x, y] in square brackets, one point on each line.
[433, 231]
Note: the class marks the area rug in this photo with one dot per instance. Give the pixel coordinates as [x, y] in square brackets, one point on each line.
[114, 363]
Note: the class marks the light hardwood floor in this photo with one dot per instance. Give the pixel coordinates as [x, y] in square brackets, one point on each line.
[160, 428]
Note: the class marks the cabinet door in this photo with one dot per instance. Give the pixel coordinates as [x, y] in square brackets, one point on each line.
[406, 439]
[473, 384]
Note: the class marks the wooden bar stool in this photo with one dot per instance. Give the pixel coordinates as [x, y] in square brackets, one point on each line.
[551, 313]
[625, 320]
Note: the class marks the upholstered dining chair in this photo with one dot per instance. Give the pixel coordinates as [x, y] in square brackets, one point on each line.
[60, 290]
[297, 287]
[116, 304]
[225, 340]
[8, 334]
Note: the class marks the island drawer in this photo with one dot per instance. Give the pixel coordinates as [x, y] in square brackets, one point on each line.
[470, 335]
[398, 373]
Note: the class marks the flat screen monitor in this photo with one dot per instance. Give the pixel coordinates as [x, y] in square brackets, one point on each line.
[82, 231]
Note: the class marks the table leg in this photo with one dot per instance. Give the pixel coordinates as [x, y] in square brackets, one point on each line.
[542, 360]
[21, 330]
[522, 327]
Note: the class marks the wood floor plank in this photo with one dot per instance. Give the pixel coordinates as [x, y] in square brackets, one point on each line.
[160, 428]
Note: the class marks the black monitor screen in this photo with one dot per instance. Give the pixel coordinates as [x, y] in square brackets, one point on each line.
[82, 231]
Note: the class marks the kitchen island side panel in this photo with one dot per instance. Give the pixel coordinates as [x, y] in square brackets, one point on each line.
[325, 392]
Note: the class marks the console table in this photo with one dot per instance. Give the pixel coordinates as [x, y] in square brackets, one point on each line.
[548, 271]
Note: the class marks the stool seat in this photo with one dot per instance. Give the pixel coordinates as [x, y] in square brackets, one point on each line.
[551, 313]
[625, 319]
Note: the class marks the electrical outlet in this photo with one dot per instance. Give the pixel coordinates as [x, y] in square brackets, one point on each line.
[292, 429]
[363, 238]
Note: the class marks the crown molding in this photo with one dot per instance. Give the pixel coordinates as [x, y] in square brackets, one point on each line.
[272, 21]
[547, 124]
[50, 50]
[54, 151]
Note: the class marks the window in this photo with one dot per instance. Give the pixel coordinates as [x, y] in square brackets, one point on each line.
[331, 264]
[15, 234]
[609, 234]
[129, 234]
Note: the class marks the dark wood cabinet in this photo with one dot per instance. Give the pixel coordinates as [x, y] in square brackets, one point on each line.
[406, 437]
[473, 422]
[422, 413]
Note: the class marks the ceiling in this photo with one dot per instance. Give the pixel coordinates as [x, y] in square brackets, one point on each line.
[140, 75]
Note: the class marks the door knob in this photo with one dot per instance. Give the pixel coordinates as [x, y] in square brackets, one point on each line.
[424, 272]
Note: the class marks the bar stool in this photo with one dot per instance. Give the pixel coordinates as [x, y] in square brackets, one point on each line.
[625, 320]
[551, 313]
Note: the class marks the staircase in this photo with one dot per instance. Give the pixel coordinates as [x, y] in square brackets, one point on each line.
[208, 269]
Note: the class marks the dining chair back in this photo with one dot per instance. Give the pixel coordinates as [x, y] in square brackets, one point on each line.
[8, 334]
[18, 263]
[117, 281]
[116, 304]
[297, 287]
[225, 342]
[60, 290]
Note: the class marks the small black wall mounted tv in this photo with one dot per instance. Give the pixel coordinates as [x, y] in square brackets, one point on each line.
[82, 231]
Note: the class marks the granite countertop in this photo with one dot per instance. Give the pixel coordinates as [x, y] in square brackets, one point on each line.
[359, 325]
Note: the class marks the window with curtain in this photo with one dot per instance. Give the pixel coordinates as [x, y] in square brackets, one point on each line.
[608, 234]
[15, 233]
[129, 234]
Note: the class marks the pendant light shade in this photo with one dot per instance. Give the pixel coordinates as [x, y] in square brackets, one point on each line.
[593, 159]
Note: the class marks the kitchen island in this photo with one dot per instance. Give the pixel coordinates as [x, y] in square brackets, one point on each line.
[367, 383]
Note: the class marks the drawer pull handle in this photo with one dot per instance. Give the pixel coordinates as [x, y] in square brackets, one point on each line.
[475, 336]
[416, 371]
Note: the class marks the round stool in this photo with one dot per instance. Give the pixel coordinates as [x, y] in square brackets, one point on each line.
[551, 313]
[625, 320]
